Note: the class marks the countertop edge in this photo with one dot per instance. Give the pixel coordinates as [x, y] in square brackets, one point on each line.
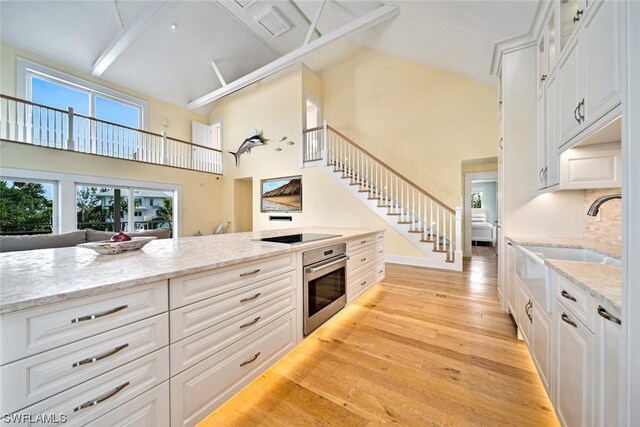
[30, 303]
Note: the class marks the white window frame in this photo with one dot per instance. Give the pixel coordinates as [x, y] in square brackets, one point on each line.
[25, 69]
[311, 99]
[64, 193]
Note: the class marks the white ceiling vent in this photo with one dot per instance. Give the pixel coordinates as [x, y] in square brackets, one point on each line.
[244, 3]
[273, 21]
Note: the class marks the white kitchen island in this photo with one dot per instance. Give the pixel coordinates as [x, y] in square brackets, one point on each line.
[160, 336]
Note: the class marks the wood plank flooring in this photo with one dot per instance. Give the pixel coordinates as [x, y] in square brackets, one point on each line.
[423, 348]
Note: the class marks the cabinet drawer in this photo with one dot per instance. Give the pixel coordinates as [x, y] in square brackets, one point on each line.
[197, 287]
[196, 317]
[359, 260]
[203, 344]
[37, 377]
[359, 284]
[357, 243]
[96, 397]
[379, 251]
[150, 409]
[578, 302]
[380, 271]
[36, 330]
[199, 390]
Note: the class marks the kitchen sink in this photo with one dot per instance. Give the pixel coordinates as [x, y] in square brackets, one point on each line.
[535, 275]
[572, 254]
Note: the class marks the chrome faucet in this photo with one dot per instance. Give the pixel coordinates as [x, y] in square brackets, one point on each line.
[595, 206]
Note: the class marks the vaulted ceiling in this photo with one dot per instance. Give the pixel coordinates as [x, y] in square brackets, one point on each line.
[170, 56]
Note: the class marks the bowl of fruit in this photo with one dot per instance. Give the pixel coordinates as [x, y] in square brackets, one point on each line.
[118, 243]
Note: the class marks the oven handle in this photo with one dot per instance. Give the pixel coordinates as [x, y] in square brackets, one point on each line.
[311, 270]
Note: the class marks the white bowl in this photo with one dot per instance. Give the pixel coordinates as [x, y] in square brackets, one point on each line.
[107, 247]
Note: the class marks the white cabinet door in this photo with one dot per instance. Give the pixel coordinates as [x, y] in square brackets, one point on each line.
[541, 139]
[523, 309]
[573, 370]
[541, 344]
[570, 92]
[511, 281]
[609, 370]
[602, 60]
[551, 135]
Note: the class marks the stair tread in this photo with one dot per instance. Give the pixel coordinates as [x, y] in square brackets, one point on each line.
[393, 213]
[416, 231]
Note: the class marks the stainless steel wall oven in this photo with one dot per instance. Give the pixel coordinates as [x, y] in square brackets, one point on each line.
[325, 279]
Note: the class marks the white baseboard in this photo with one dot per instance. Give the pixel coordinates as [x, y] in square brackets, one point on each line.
[419, 262]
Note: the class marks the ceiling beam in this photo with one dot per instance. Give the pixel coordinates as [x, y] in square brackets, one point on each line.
[217, 71]
[126, 36]
[368, 20]
[314, 24]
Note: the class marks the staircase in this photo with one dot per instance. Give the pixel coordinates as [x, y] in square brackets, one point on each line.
[429, 224]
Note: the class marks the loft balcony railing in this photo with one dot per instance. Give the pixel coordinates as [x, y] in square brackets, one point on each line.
[26, 122]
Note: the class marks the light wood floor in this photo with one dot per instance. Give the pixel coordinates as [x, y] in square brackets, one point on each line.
[423, 348]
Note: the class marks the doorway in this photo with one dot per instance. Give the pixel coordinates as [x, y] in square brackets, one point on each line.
[481, 214]
[243, 204]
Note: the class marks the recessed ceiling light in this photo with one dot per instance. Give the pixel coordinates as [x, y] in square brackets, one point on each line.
[174, 26]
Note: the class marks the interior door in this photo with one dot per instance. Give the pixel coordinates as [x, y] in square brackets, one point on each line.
[201, 134]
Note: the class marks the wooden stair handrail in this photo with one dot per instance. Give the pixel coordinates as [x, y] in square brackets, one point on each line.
[312, 129]
[390, 169]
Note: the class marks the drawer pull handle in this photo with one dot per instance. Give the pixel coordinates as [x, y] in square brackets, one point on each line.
[569, 321]
[363, 259]
[250, 298]
[253, 359]
[100, 357]
[250, 273]
[362, 242]
[101, 398]
[363, 283]
[253, 322]
[604, 313]
[568, 296]
[97, 316]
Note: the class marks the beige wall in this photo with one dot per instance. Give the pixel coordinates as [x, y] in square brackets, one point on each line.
[274, 106]
[179, 119]
[243, 204]
[201, 193]
[422, 121]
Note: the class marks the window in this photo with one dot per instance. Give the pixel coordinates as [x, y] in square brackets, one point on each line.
[26, 207]
[29, 203]
[476, 200]
[53, 88]
[312, 116]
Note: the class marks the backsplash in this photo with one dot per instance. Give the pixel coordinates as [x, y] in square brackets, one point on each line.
[609, 229]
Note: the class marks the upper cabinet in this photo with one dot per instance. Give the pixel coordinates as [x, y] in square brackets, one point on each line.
[571, 12]
[589, 68]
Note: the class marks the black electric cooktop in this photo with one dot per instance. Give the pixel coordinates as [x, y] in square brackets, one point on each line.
[298, 238]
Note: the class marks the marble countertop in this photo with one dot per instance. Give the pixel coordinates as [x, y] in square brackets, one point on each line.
[33, 278]
[603, 282]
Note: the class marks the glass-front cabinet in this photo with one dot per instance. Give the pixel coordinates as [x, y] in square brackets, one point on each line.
[571, 12]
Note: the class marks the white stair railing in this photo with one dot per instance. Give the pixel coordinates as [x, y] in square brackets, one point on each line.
[423, 213]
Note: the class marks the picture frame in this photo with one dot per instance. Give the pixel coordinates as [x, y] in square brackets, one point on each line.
[281, 194]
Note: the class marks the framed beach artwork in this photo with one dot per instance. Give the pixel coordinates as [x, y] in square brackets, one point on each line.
[281, 194]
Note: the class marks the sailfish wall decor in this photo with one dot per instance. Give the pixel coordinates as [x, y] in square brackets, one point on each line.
[255, 140]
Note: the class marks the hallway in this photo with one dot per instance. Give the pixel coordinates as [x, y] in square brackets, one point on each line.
[424, 347]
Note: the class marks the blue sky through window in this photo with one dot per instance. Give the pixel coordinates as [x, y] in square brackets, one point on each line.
[116, 112]
[59, 96]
